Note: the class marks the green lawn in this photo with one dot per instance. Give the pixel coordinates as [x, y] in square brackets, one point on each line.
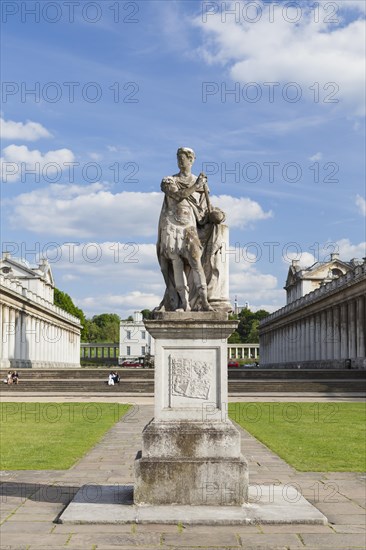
[52, 436]
[317, 437]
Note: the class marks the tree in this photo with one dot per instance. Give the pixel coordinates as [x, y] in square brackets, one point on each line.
[107, 327]
[64, 301]
[248, 327]
[234, 338]
[253, 336]
[146, 313]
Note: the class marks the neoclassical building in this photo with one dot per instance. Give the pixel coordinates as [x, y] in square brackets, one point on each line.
[134, 340]
[323, 324]
[34, 332]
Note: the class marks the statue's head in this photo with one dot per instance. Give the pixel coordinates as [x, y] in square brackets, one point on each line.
[186, 152]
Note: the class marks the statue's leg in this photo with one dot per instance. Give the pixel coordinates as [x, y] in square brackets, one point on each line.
[181, 282]
[170, 300]
[194, 259]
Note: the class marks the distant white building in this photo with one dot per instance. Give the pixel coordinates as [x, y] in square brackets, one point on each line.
[134, 339]
[238, 309]
[34, 332]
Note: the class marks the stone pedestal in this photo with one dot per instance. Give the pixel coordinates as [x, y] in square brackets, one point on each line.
[191, 450]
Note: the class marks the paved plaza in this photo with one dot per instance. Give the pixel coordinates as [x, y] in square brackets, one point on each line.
[32, 501]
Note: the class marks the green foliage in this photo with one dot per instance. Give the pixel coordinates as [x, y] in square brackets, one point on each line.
[248, 328]
[103, 328]
[146, 314]
[309, 436]
[234, 338]
[64, 301]
[52, 436]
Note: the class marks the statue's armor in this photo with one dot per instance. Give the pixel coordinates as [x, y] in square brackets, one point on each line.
[178, 229]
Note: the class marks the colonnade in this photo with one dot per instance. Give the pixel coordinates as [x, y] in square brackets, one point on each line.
[34, 334]
[99, 351]
[325, 328]
[243, 351]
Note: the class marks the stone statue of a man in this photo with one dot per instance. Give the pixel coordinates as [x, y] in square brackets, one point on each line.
[188, 241]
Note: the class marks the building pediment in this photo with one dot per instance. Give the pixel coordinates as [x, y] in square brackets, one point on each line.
[17, 268]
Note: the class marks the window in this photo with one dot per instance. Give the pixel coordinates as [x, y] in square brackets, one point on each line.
[142, 350]
[336, 273]
[128, 337]
[128, 350]
[143, 335]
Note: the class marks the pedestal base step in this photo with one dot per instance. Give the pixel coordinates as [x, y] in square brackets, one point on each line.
[268, 504]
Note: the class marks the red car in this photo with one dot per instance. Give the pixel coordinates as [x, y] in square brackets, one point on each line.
[131, 363]
[233, 364]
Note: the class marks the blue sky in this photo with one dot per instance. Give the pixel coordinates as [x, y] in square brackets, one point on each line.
[115, 98]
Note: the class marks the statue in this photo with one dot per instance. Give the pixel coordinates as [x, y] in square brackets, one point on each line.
[190, 242]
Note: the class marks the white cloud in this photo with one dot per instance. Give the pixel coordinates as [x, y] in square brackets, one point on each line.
[361, 204]
[240, 211]
[305, 259]
[283, 52]
[18, 159]
[92, 211]
[316, 157]
[348, 251]
[28, 131]
[249, 284]
[117, 276]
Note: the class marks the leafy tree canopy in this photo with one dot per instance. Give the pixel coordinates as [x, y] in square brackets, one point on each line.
[64, 301]
[248, 327]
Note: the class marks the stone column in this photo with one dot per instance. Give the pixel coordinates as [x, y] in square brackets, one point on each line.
[18, 335]
[312, 343]
[11, 334]
[330, 334]
[296, 341]
[352, 329]
[318, 335]
[1, 333]
[323, 335]
[337, 333]
[302, 343]
[360, 327]
[5, 334]
[344, 331]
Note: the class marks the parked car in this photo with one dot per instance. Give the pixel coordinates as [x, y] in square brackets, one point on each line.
[145, 362]
[131, 363]
[233, 364]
